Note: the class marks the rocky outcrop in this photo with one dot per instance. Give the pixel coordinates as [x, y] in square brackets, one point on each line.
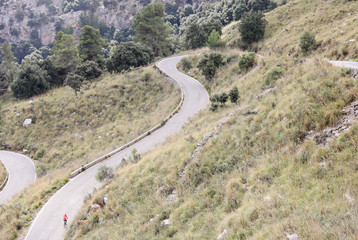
[350, 115]
[18, 19]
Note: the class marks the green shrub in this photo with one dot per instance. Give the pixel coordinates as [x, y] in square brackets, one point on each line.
[210, 63]
[146, 76]
[247, 61]
[307, 42]
[272, 76]
[234, 95]
[104, 172]
[214, 40]
[186, 63]
[89, 70]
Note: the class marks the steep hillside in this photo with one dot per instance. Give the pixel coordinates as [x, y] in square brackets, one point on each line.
[68, 131]
[259, 176]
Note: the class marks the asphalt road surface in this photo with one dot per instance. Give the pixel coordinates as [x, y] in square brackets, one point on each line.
[345, 64]
[21, 172]
[48, 223]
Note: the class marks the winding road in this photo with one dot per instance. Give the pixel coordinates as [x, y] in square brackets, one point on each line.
[69, 199]
[21, 172]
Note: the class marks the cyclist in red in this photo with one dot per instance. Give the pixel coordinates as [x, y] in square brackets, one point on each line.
[65, 220]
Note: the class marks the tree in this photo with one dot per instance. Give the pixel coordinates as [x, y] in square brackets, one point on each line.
[7, 67]
[151, 30]
[214, 40]
[127, 55]
[197, 31]
[91, 45]
[88, 70]
[74, 81]
[194, 36]
[252, 27]
[234, 95]
[64, 52]
[56, 76]
[31, 80]
[210, 63]
[307, 42]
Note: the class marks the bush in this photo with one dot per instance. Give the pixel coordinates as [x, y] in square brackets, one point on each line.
[186, 63]
[307, 42]
[146, 76]
[246, 61]
[234, 95]
[89, 70]
[74, 81]
[272, 76]
[214, 40]
[104, 172]
[210, 63]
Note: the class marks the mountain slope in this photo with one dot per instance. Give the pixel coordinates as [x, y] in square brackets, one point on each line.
[260, 177]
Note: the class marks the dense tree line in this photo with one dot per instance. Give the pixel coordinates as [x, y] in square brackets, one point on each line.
[159, 30]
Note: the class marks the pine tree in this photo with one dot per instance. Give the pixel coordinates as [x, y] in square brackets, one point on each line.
[151, 30]
[7, 67]
[64, 52]
[91, 45]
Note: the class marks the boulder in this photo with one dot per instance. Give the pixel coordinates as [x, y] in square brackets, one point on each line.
[27, 122]
[165, 223]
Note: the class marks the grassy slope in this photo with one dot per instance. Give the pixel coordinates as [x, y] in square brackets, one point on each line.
[259, 178]
[117, 107]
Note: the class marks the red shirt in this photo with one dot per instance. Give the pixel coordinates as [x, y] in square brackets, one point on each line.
[65, 218]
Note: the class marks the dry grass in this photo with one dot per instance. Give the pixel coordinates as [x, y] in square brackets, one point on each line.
[259, 178]
[107, 113]
[3, 174]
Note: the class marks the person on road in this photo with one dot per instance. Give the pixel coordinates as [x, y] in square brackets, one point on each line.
[65, 220]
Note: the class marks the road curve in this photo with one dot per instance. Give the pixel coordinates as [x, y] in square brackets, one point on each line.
[69, 199]
[21, 171]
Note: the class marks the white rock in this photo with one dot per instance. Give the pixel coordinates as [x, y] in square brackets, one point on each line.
[222, 235]
[292, 236]
[78, 136]
[267, 198]
[349, 197]
[27, 122]
[99, 137]
[18, 114]
[31, 102]
[171, 198]
[25, 150]
[105, 200]
[165, 223]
